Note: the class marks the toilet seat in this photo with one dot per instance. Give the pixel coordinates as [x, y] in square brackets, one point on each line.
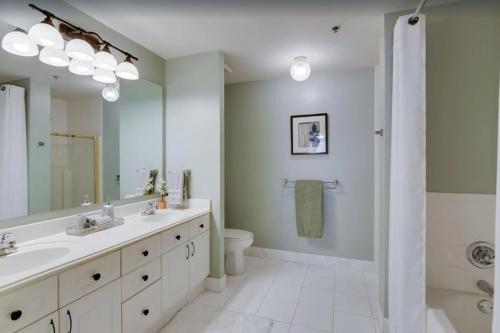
[237, 234]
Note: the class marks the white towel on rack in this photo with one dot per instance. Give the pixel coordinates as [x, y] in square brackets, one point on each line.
[176, 187]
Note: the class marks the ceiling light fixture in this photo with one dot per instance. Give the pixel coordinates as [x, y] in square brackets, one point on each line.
[45, 34]
[104, 75]
[111, 93]
[17, 42]
[80, 67]
[80, 49]
[127, 70]
[105, 60]
[300, 69]
[54, 57]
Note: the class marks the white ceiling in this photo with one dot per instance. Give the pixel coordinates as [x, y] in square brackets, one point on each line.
[259, 38]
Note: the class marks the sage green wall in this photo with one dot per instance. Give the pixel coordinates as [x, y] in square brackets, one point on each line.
[258, 158]
[37, 96]
[194, 93]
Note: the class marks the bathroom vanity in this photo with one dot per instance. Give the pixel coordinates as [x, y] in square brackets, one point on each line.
[130, 279]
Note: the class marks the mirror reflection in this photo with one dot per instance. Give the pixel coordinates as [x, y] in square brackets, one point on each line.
[63, 145]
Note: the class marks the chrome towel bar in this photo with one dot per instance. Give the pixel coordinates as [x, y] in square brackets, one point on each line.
[326, 185]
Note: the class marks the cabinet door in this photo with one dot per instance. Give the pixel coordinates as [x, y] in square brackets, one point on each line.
[99, 311]
[199, 262]
[49, 324]
[175, 278]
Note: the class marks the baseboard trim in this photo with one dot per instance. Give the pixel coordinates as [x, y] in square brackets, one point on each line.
[216, 284]
[306, 258]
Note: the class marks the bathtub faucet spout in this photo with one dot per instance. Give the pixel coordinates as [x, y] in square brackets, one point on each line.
[486, 287]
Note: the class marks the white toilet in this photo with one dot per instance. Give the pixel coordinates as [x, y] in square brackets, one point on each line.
[236, 241]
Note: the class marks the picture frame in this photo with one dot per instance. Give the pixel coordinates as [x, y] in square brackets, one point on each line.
[309, 134]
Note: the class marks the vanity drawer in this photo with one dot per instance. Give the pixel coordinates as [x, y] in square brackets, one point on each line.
[139, 279]
[142, 313]
[88, 277]
[199, 225]
[24, 306]
[49, 324]
[175, 236]
[139, 253]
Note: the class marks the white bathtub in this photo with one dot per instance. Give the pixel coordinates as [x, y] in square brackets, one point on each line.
[455, 312]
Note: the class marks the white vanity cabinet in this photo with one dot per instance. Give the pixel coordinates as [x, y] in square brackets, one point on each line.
[49, 324]
[99, 311]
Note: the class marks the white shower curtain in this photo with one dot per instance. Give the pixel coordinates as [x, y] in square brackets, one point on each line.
[13, 153]
[407, 182]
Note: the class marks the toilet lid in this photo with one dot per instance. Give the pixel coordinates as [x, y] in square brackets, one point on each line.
[237, 234]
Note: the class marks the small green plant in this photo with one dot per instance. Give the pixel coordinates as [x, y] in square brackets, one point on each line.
[162, 188]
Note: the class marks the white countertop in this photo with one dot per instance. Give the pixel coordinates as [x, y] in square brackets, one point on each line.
[84, 248]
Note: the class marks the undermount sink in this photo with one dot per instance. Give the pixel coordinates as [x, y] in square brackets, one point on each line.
[32, 256]
[162, 216]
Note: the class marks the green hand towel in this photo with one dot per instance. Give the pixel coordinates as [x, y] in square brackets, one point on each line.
[309, 208]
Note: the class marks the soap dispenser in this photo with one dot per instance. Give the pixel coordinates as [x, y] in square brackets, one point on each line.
[108, 209]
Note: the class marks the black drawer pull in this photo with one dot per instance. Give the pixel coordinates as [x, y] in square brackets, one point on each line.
[201, 226]
[145, 253]
[178, 237]
[70, 321]
[145, 312]
[145, 277]
[53, 325]
[15, 315]
[96, 276]
[194, 248]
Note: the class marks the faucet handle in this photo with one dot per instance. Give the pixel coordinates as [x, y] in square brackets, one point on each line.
[4, 236]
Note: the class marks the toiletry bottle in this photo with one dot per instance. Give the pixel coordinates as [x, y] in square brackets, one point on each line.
[108, 209]
[86, 201]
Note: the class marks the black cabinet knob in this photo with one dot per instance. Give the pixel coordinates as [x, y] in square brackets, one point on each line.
[178, 237]
[145, 312]
[201, 226]
[96, 276]
[145, 277]
[145, 253]
[15, 315]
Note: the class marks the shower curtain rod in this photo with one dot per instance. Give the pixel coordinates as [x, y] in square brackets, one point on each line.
[414, 18]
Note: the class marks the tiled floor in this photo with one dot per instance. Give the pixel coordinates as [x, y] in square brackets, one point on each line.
[284, 297]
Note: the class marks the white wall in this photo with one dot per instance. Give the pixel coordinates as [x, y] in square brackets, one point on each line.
[454, 221]
[194, 90]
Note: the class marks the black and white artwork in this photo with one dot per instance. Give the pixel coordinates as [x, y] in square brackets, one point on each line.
[309, 134]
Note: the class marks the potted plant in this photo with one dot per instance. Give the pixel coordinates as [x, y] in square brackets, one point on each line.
[162, 190]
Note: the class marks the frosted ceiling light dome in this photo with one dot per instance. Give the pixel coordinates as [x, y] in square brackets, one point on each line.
[54, 57]
[300, 69]
[80, 67]
[127, 70]
[80, 50]
[105, 60]
[17, 42]
[110, 93]
[45, 34]
[104, 76]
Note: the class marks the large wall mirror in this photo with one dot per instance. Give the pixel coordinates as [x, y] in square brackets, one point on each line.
[63, 146]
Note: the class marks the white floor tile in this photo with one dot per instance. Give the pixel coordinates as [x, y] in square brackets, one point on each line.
[299, 329]
[314, 317]
[277, 310]
[316, 297]
[280, 327]
[353, 304]
[213, 298]
[350, 323]
[319, 282]
[244, 302]
[351, 287]
[284, 292]
[289, 277]
[350, 275]
[321, 270]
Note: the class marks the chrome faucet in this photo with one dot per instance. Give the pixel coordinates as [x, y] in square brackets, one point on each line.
[7, 247]
[486, 287]
[150, 208]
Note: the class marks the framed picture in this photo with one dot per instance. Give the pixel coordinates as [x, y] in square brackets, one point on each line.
[309, 134]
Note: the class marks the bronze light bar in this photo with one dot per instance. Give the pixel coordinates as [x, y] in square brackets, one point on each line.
[72, 31]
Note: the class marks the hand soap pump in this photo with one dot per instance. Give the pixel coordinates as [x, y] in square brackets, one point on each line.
[108, 209]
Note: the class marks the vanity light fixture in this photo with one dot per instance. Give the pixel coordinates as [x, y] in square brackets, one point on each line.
[104, 75]
[111, 92]
[54, 57]
[105, 60]
[79, 53]
[127, 70]
[17, 42]
[300, 69]
[45, 34]
[81, 67]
